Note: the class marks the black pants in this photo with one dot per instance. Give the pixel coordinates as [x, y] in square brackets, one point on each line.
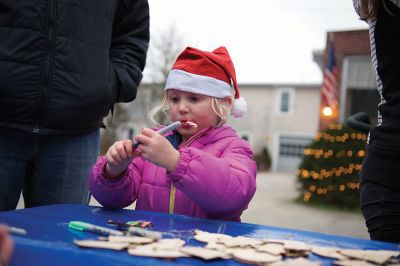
[381, 209]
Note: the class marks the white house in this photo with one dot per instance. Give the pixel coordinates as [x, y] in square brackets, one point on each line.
[281, 117]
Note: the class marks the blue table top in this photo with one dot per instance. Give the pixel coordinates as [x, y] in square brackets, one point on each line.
[50, 242]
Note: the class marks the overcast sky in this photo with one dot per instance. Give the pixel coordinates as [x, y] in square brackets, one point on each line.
[270, 41]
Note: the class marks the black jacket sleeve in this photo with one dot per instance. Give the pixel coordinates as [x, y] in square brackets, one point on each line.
[129, 46]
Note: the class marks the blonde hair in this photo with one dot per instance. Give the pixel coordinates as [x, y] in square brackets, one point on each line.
[220, 107]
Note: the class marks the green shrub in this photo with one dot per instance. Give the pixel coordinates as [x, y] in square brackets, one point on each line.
[329, 171]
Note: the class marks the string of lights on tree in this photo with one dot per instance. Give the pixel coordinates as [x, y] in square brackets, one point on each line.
[329, 171]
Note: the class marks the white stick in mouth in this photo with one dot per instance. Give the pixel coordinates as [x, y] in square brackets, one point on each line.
[190, 124]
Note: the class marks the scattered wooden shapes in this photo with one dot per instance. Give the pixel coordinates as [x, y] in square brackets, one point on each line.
[352, 263]
[168, 244]
[167, 248]
[375, 256]
[137, 240]
[251, 256]
[101, 244]
[222, 248]
[293, 248]
[149, 251]
[203, 253]
[239, 241]
[207, 237]
[328, 252]
[272, 248]
[296, 262]
[241, 248]
[296, 245]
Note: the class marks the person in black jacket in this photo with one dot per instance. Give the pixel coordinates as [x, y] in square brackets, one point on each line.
[63, 65]
[379, 178]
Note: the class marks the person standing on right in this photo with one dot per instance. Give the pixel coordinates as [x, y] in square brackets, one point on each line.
[380, 178]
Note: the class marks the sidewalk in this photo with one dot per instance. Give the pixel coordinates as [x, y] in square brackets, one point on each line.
[273, 205]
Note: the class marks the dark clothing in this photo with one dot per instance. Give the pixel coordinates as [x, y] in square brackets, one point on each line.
[380, 206]
[64, 63]
[175, 139]
[379, 178]
[382, 161]
[49, 169]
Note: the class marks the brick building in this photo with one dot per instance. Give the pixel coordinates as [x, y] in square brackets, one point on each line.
[356, 76]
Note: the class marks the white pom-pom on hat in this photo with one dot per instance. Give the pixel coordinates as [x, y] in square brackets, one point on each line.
[239, 107]
[208, 73]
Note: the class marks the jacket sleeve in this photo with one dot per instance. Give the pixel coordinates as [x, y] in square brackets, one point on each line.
[222, 186]
[129, 46]
[115, 193]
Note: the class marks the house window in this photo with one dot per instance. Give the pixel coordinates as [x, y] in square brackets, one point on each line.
[285, 99]
[284, 108]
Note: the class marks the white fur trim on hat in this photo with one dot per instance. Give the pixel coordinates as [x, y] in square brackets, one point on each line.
[185, 81]
[239, 107]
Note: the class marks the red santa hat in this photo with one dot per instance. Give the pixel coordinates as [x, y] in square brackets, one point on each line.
[208, 73]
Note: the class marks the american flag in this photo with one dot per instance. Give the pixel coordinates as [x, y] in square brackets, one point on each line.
[330, 85]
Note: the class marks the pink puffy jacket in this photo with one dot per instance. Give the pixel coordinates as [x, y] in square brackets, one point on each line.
[215, 178]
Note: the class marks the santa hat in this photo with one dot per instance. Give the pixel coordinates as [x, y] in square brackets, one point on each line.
[208, 73]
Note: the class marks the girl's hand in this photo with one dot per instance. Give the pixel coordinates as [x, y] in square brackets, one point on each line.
[119, 156]
[157, 149]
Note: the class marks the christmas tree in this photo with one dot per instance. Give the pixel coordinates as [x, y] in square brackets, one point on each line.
[329, 171]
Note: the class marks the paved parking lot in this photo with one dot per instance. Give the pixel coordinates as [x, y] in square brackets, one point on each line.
[273, 205]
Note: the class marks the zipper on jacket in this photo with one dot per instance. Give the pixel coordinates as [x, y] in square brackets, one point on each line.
[48, 54]
[172, 199]
[173, 188]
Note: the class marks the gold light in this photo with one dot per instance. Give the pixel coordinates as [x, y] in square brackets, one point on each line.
[327, 111]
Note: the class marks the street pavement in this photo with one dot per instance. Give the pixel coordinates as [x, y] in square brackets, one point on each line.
[274, 205]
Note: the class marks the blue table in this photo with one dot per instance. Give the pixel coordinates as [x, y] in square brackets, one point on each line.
[50, 242]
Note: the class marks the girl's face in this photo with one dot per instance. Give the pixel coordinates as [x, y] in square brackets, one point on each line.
[187, 106]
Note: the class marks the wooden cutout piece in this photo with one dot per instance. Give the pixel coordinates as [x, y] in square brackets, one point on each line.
[207, 237]
[221, 248]
[328, 252]
[130, 239]
[148, 251]
[101, 244]
[295, 245]
[352, 263]
[240, 241]
[204, 253]
[168, 244]
[296, 262]
[253, 257]
[272, 248]
[376, 256]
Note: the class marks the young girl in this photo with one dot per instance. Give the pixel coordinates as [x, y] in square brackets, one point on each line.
[202, 169]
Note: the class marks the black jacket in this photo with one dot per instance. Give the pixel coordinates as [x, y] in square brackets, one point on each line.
[64, 63]
[382, 159]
